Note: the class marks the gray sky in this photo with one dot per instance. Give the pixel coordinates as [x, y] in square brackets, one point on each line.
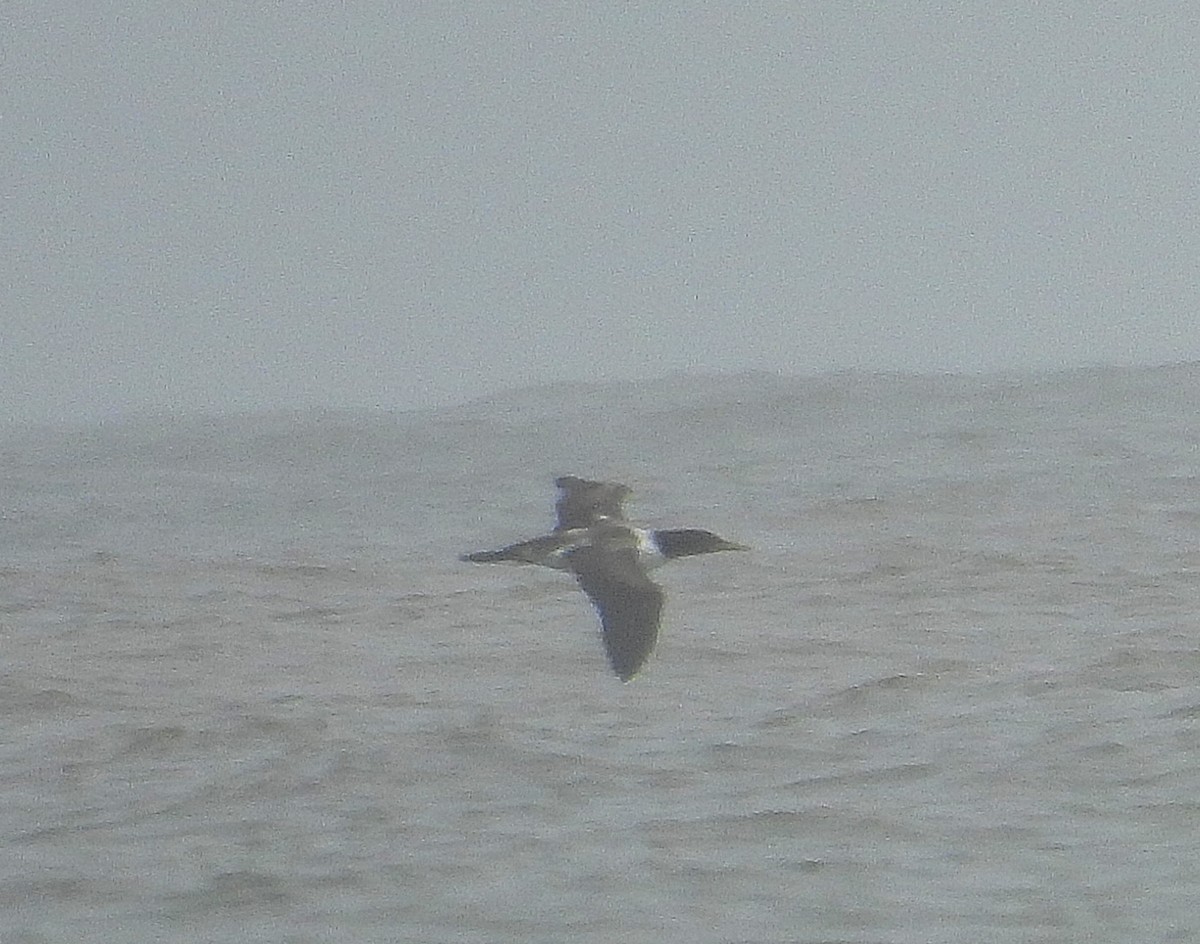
[227, 205]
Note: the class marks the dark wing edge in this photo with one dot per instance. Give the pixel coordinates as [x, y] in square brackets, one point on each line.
[629, 604]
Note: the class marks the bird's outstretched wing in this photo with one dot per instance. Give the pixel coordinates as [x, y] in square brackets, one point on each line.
[628, 602]
[584, 503]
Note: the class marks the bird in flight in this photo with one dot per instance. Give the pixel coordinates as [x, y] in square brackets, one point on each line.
[611, 559]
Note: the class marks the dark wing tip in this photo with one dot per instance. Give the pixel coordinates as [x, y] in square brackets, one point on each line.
[573, 484]
[629, 647]
[624, 665]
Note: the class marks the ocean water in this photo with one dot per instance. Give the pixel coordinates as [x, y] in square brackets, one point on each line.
[953, 694]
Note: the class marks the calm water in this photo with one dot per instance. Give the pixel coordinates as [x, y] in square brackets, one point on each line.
[250, 694]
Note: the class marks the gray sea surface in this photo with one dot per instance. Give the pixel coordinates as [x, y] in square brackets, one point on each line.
[249, 693]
